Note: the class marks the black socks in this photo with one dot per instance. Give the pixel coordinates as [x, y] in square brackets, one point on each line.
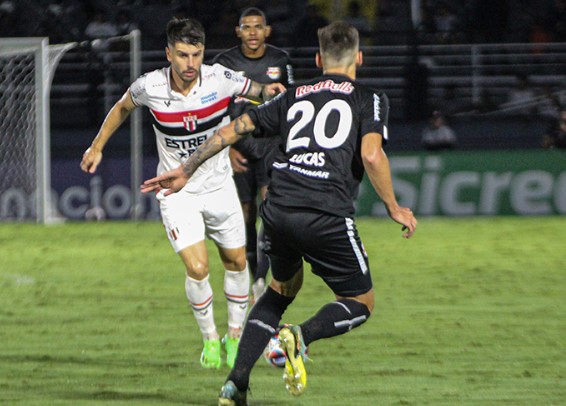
[334, 319]
[261, 324]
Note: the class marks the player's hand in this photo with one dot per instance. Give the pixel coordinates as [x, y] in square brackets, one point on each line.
[238, 161]
[91, 159]
[271, 90]
[173, 181]
[405, 217]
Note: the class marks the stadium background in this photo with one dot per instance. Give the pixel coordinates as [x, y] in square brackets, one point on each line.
[469, 312]
[417, 51]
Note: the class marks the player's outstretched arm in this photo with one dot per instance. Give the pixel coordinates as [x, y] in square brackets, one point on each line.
[174, 180]
[115, 117]
[377, 167]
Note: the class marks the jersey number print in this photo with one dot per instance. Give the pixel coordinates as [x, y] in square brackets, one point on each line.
[308, 113]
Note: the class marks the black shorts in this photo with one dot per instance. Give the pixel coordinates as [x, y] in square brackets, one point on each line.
[330, 244]
[257, 176]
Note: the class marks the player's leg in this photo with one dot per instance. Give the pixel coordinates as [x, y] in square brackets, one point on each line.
[286, 234]
[200, 296]
[260, 276]
[268, 148]
[236, 290]
[338, 317]
[332, 246]
[185, 229]
[225, 226]
[247, 192]
[342, 262]
[264, 317]
[262, 323]
[249, 209]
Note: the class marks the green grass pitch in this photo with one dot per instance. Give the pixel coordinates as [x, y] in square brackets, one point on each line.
[469, 312]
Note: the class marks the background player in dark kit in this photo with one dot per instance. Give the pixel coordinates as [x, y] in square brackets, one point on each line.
[251, 158]
[333, 129]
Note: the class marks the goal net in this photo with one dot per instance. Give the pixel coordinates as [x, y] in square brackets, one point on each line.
[26, 70]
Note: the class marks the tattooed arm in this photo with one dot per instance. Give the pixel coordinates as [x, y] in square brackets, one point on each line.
[175, 179]
[223, 137]
[267, 91]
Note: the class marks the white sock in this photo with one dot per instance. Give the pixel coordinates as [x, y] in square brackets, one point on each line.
[200, 295]
[237, 291]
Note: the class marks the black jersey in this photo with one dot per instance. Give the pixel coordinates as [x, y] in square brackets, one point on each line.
[321, 125]
[273, 66]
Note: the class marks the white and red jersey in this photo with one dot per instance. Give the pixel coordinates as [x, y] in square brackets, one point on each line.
[182, 123]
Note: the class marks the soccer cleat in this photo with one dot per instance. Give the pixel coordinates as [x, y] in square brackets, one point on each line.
[231, 396]
[295, 374]
[210, 357]
[231, 347]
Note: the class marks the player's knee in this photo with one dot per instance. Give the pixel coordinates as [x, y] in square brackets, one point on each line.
[289, 288]
[370, 306]
[236, 263]
[241, 264]
[197, 270]
[367, 299]
[233, 259]
[241, 261]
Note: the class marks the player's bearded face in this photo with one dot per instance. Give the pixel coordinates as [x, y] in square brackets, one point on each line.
[186, 60]
[252, 31]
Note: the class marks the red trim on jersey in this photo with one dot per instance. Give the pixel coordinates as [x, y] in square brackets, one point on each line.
[177, 117]
[247, 86]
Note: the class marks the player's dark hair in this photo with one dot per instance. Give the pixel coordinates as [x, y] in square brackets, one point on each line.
[253, 11]
[187, 30]
[338, 40]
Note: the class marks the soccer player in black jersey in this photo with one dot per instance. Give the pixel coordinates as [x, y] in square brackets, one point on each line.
[251, 158]
[333, 130]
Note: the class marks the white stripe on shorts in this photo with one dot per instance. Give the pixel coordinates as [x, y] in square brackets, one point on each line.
[359, 255]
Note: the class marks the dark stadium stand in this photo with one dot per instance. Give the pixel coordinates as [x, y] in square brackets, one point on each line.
[475, 50]
[86, 84]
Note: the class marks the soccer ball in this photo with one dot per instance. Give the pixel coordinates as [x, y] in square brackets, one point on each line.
[274, 353]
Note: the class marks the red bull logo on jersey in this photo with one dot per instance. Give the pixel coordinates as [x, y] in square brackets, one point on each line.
[330, 85]
[190, 122]
[273, 72]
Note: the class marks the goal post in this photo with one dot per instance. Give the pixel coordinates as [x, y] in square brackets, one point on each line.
[26, 70]
[24, 160]
[136, 134]
[126, 64]
[27, 67]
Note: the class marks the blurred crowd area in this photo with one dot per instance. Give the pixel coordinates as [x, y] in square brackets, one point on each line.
[519, 90]
[380, 22]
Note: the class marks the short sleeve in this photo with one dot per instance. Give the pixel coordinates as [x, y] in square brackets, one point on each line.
[235, 83]
[375, 115]
[289, 79]
[138, 91]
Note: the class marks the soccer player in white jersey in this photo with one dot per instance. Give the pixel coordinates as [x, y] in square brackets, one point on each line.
[188, 101]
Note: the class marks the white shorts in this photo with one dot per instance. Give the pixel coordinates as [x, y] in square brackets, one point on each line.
[189, 218]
